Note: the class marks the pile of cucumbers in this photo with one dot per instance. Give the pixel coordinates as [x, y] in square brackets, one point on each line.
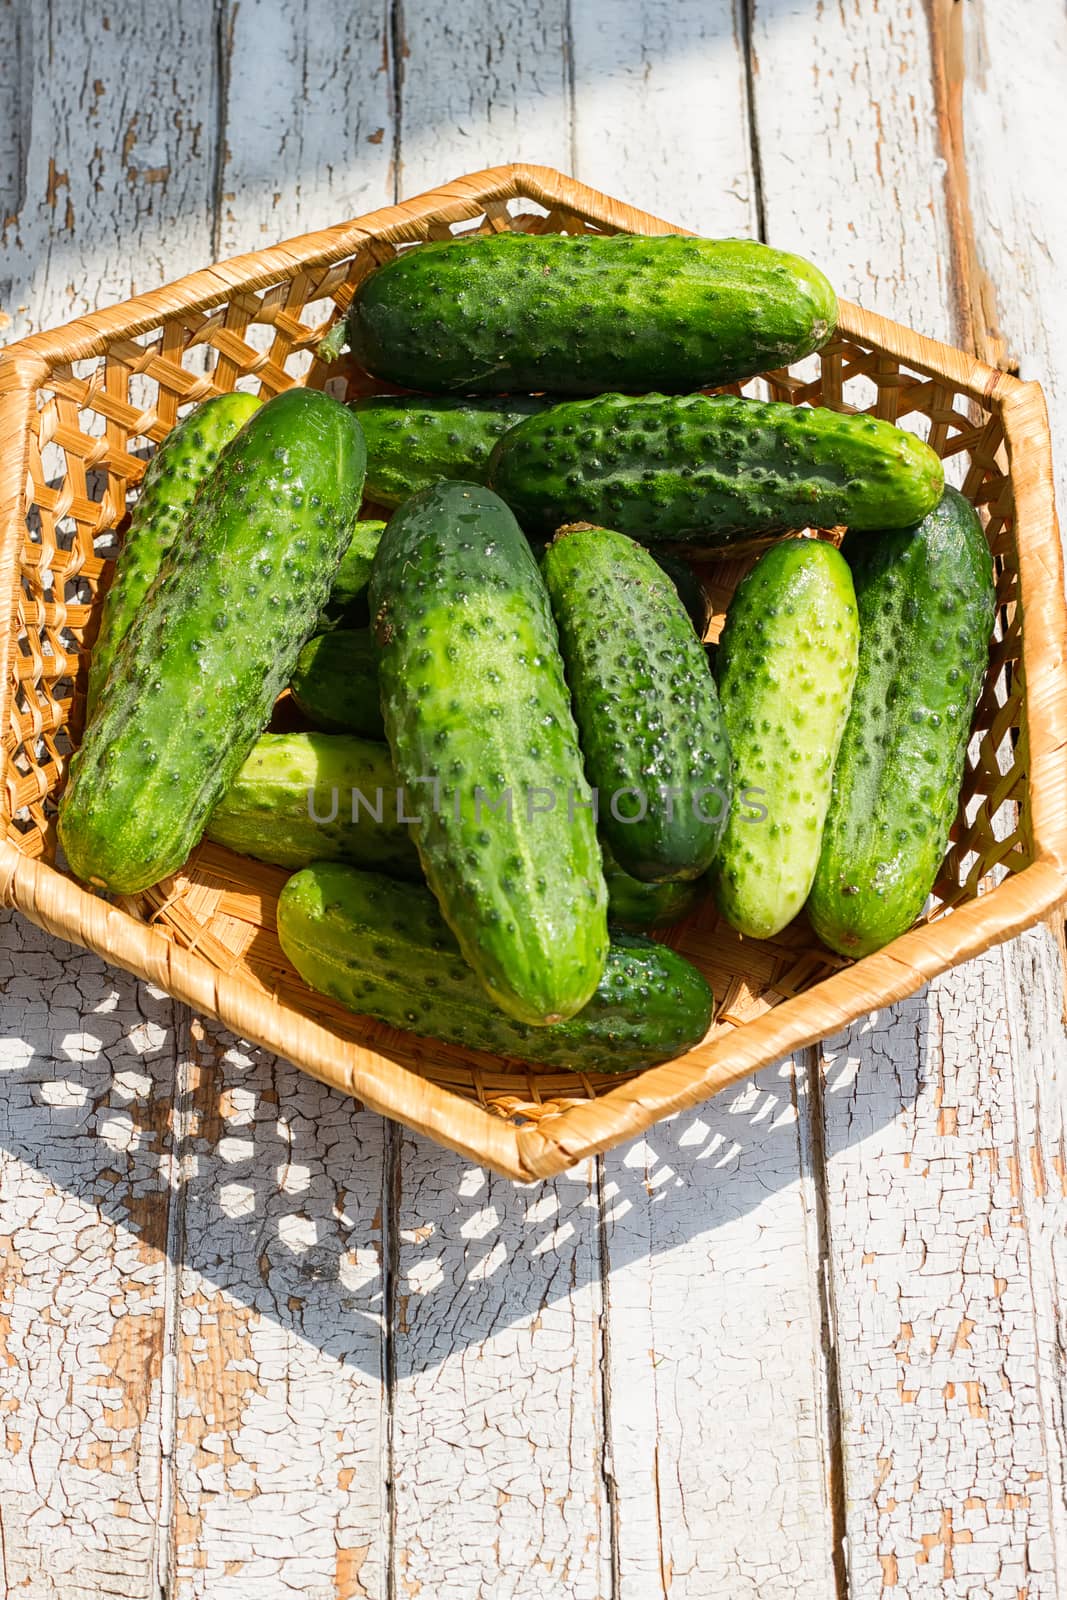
[518, 758]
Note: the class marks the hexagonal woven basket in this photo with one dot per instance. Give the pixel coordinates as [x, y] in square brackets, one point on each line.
[81, 409]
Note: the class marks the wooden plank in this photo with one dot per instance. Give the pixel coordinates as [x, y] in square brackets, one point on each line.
[280, 1436]
[87, 1071]
[497, 1425]
[107, 180]
[280, 1427]
[930, 1109]
[710, 1240]
[499, 1490]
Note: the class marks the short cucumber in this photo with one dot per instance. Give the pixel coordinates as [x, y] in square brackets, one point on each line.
[517, 312]
[638, 906]
[707, 470]
[303, 797]
[477, 712]
[214, 642]
[383, 949]
[186, 457]
[335, 683]
[926, 606]
[347, 605]
[786, 666]
[645, 704]
[413, 440]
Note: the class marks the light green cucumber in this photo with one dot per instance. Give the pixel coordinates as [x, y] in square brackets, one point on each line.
[786, 666]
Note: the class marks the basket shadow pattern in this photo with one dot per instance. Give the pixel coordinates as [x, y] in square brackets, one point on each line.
[82, 407]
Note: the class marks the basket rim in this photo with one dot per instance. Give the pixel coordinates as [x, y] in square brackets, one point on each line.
[61, 906]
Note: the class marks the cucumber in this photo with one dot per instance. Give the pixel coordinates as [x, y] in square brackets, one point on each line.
[518, 312]
[172, 478]
[295, 798]
[926, 601]
[786, 666]
[691, 591]
[383, 949]
[477, 712]
[706, 470]
[213, 643]
[638, 906]
[413, 441]
[645, 704]
[292, 803]
[335, 683]
[347, 605]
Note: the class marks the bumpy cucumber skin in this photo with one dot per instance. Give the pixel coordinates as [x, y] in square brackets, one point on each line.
[786, 666]
[214, 642]
[347, 606]
[707, 470]
[335, 683]
[473, 696]
[383, 949]
[413, 441]
[292, 803]
[579, 315]
[638, 907]
[645, 703]
[927, 602]
[691, 591]
[186, 457]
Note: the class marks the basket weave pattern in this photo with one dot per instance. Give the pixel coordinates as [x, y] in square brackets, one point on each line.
[80, 409]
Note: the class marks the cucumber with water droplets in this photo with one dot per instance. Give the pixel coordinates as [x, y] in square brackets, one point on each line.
[186, 457]
[383, 949]
[518, 312]
[786, 666]
[926, 606]
[196, 676]
[708, 470]
[479, 721]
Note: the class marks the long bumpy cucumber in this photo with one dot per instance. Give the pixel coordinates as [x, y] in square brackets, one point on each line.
[477, 713]
[214, 641]
[335, 683]
[413, 441]
[926, 604]
[706, 470]
[786, 666]
[347, 603]
[303, 797]
[645, 704]
[384, 950]
[518, 312]
[638, 906]
[187, 456]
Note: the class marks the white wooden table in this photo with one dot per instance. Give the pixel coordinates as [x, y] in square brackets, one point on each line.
[807, 1342]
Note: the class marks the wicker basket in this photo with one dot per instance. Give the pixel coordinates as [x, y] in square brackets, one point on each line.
[79, 409]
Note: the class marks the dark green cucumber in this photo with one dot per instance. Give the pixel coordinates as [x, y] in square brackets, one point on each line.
[347, 605]
[638, 906]
[172, 478]
[335, 683]
[706, 470]
[413, 441]
[214, 642]
[645, 704]
[477, 712]
[383, 949]
[517, 312]
[926, 601]
[691, 591]
[303, 797]
[786, 666]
